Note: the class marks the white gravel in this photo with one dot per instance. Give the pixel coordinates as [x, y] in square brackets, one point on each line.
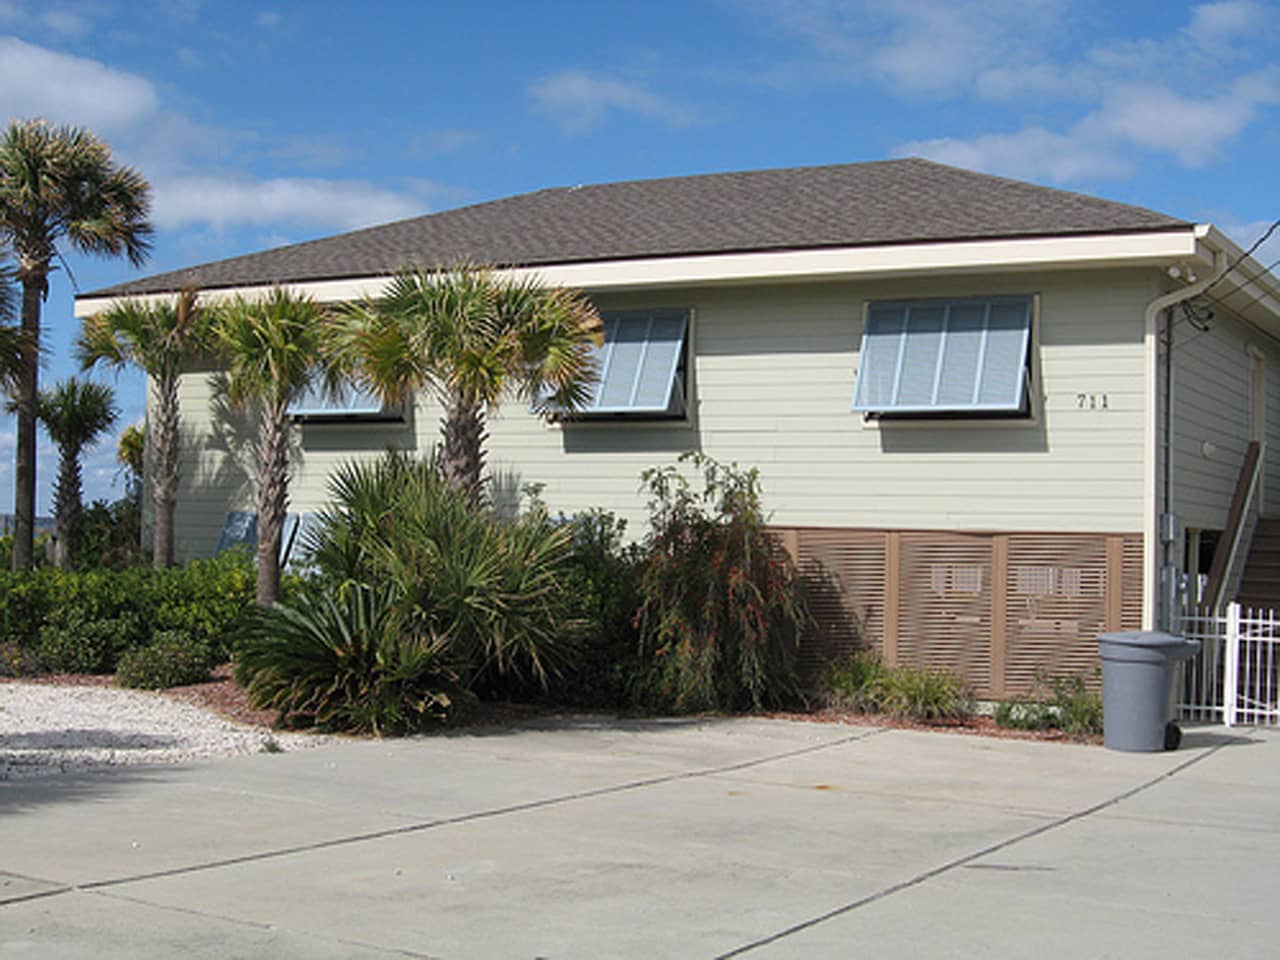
[51, 729]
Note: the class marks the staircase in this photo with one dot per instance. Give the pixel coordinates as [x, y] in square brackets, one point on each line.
[1260, 585]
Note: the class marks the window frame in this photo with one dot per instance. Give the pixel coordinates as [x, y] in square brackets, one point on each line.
[682, 380]
[321, 415]
[1032, 409]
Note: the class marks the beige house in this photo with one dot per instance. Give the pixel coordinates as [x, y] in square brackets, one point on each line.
[954, 386]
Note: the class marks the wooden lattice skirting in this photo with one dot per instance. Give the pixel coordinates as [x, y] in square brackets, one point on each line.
[996, 608]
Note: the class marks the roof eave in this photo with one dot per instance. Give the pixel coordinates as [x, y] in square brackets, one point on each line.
[1150, 247]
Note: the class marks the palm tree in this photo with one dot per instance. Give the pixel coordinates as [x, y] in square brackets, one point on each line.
[11, 355]
[271, 348]
[58, 183]
[473, 338]
[161, 338]
[75, 413]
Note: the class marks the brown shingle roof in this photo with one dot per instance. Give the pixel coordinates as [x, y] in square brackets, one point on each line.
[860, 204]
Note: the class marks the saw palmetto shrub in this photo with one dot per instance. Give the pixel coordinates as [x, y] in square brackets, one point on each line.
[339, 660]
[722, 605]
[462, 594]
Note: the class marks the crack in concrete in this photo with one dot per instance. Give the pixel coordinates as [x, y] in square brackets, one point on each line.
[969, 858]
[421, 826]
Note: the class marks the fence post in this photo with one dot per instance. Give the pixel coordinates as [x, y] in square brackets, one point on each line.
[1231, 668]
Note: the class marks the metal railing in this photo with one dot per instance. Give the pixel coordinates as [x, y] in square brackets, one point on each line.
[1236, 677]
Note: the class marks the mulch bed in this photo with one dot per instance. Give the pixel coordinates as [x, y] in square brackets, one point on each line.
[978, 726]
[224, 697]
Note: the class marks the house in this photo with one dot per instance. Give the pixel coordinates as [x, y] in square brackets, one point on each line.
[961, 390]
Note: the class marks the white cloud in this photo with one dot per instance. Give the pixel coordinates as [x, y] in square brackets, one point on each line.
[65, 22]
[578, 100]
[224, 202]
[1187, 91]
[1214, 21]
[126, 109]
[37, 82]
[269, 19]
[313, 151]
[918, 47]
[1033, 153]
[1193, 130]
[437, 142]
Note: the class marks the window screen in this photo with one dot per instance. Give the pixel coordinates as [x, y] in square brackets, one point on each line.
[944, 356]
[350, 402]
[641, 364]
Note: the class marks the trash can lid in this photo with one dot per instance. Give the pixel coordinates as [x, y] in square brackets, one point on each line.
[1143, 638]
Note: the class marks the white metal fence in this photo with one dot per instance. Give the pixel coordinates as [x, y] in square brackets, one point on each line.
[1236, 677]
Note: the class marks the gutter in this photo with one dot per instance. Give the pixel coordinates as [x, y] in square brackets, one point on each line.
[1160, 527]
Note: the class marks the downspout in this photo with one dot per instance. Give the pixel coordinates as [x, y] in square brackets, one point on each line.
[1160, 535]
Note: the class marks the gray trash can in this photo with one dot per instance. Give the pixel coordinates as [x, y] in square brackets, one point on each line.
[1138, 670]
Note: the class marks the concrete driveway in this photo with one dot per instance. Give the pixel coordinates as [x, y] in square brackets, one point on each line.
[600, 838]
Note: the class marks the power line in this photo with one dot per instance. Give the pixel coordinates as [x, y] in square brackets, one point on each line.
[1261, 273]
[1244, 256]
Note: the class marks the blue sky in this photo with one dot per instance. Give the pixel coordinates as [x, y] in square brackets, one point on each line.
[263, 124]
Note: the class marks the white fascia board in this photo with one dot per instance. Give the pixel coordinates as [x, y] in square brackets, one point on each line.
[1106, 250]
[1249, 287]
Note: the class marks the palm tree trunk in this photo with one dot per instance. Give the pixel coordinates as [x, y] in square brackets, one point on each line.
[464, 438]
[164, 484]
[67, 505]
[34, 283]
[273, 498]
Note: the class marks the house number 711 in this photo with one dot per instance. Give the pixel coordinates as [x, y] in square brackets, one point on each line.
[1091, 401]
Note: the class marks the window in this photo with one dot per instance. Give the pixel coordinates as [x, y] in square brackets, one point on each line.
[349, 404]
[642, 365]
[939, 358]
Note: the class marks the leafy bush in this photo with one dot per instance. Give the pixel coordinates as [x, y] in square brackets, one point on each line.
[601, 581]
[856, 682]
[109, 535]
[1026, 715]
[18, 661]
[1067, 704]
[863, 682]
[490, 588]
[340, 661]
[204, 597]
[75, 642]
[172, 658]
[721, 603]
[926, 695]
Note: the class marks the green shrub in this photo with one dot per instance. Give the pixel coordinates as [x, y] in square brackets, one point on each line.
[340, 660]
[601, 581]
[1025, 715]
[863, 682]
[109, 535]
[926, 695]
[856, 682]
[74, 642]
[491, 589]
[173, 658]
[1067, 704]
[1080, 708]
[721, 603]
[204, 597]
[18, 661]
